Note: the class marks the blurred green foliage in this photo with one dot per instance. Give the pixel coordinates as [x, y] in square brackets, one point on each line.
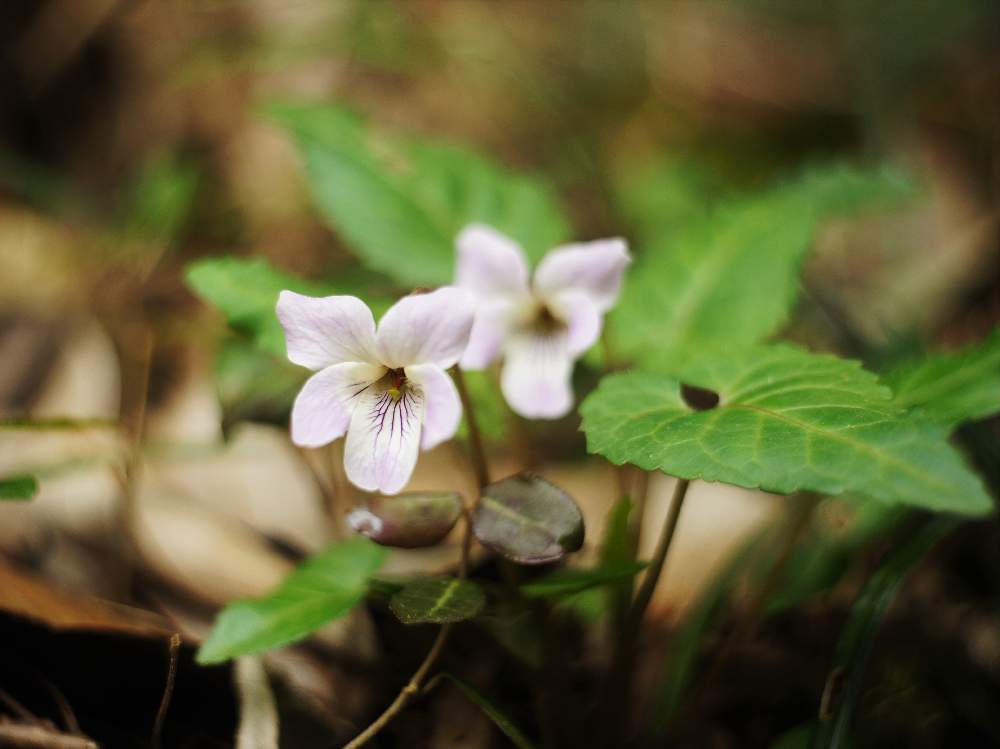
[400, 202]
[952, 387]
[19, 487]
[714, 273]
[325, 587]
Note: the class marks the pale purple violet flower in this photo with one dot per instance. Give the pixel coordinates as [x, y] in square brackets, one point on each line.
[539, 327]
[387, 390]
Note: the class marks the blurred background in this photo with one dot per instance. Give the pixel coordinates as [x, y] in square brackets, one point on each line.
[133, 142]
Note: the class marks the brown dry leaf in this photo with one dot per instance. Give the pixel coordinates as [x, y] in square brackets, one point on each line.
[33, 598]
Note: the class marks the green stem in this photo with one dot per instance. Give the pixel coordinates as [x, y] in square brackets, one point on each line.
[406, 694]
[475, 439]
[655, 569]
[618, 696]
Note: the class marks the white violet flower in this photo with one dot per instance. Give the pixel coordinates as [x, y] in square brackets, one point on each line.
[539, 327]
[388, 391]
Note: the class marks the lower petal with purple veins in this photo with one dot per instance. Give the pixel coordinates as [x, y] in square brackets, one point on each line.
[383, 438]
[322, 409]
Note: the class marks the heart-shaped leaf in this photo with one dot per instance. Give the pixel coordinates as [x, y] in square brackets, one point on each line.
[437, 601]
[18, 487]
[572, 581]
[787, 420]
[953, 387]
[324, 588]
[408, 521]
[528, 520]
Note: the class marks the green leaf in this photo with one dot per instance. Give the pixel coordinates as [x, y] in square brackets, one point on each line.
[399, 202]
[246, 291]
[499, 718]
[662, 195]
[857, 639]
[617, 549]
[569, 582]
[410, 520]
[324, 588]
[731, 277]
[19, 487]
[787, 420]
[437, 601]
[953, 387]
[528, 520]
[254, 384]
[616, 546]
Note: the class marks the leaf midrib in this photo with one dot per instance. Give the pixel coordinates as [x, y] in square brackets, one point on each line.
[502, 509]
[446, 595]
[286, 616]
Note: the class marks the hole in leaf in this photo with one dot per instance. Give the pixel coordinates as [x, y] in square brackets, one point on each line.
[699, 399]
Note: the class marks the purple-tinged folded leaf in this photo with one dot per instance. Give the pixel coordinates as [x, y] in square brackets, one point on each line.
[408, 521]
[528, 520]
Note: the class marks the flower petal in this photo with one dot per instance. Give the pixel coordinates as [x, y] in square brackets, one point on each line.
[536, 375]
[383, 440]
[442, 406]
[592, 267]
[320, 331]
[322, 409]
[426, 328]
[490, 263]
[488, 332]
[583, 321]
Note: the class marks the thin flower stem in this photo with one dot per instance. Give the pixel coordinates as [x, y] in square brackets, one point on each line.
[475, 440]
[412, 688]
[645, 594]
[619, 683]
[640, 490]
